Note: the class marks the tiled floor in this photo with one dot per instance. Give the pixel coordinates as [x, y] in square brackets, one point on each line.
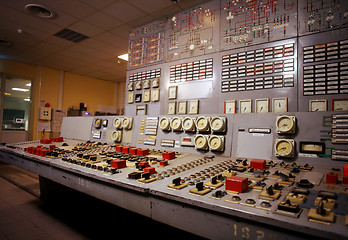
[74, 216]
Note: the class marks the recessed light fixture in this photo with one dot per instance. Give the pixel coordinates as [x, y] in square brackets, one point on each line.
[20, 89]
[124, 56]
[39, 10]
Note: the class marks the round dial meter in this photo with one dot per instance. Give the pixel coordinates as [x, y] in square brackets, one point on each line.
[286, 124]
[188, 124]
[216, 143]
[127, 123]
[201, 142]
[97, 123]
[218, 124]
[202, 124]
[118, 123]
[284, 148]
[165, 124]
[116, 136]
[175, 123]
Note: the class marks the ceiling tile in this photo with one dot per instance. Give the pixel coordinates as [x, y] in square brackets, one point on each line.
[103, 21]
[77, 9]
[124, 11]
[96, 44]
[86, 29]
[150, 6]
[113, 40]
[123, 30]
[166, 12]
[99, 4]
[142, 21]
[24, 19]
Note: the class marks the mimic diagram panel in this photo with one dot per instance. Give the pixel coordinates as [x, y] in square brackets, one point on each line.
[194, 32]
[265, 60]
[322, 15]
[252, 22]
[146, 44]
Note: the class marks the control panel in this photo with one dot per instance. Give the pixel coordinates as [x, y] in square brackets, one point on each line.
[273, 166]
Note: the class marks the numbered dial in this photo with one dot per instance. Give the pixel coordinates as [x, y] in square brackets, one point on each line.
[118, 123]
[286, 124]
[284, 148]
[218, 124]
[203, 124]
[216, 143]
[165, 124]
[130, 86]
[116, 136]
[175, 124]
[155, 82]
[201, 142]
[138, 85]
[127, 123]
[188, 124]
[146, 84]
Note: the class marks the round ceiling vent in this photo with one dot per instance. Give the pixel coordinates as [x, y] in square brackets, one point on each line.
[39, 10]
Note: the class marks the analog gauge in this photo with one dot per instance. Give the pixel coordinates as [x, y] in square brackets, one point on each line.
[182, 107]
[116, 136]
[175, 124]
[172, 90]
[127, 123]
[165, 124]
[155, 95]
[245, 106]
[216, 143]
[261, 105]
[193, 106]
[155, 82]
[138, 85]
[118, 123]
[171, 108]
[339, 104]
[286, 124]
[201, 142]
[318, 105]
[146, 95]
[203, 124]
[97, 123]
[284, 148]
[146, 84]
[280, 104]
[188, 124]
[130, 97]
[230, 106]
[218, 124]
[130, 86]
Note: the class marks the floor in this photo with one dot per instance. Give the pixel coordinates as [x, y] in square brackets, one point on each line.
[23, 215]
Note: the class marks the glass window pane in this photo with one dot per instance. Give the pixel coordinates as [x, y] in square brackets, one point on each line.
[16, 104]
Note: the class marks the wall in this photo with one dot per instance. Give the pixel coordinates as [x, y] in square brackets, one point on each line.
[76, 89]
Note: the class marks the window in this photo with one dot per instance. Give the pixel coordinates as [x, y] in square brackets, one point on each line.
[16, 103]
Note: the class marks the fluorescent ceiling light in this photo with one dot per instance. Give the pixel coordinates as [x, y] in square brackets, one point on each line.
[20, 89]
[28, 84]
[124, 56]
[27, 99]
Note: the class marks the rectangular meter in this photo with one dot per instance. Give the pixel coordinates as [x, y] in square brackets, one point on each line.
[312, 147]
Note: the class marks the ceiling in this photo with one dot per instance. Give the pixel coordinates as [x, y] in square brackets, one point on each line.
[106, 23]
